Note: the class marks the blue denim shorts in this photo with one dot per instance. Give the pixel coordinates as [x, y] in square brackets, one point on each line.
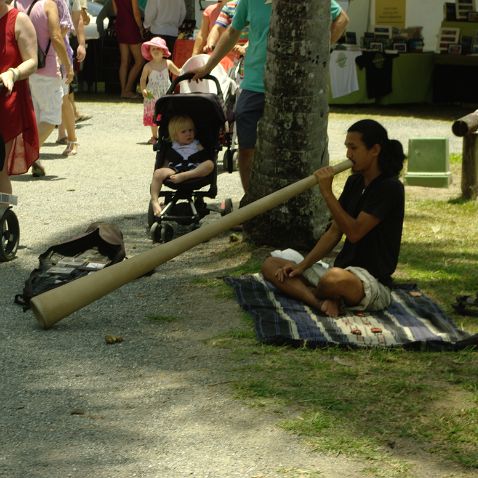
[249, 110]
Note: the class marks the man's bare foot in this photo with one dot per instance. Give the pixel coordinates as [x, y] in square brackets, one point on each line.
[156, 207]
[331, 307]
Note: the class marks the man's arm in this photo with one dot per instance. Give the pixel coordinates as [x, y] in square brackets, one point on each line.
[213, 37]
[84, 12]
[149, 13]
[57, 42]
[201, 36]
[354, 228]
[225, 44]
[80, 34]
[338, 26]
[324, 246]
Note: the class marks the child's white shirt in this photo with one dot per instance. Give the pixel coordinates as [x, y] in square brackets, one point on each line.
[186, 150]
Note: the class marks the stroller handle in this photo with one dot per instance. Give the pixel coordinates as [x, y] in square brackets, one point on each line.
[188, 76]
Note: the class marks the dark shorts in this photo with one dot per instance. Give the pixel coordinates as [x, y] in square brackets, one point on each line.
[249, 110]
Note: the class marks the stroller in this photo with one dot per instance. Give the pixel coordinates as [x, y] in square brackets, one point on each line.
[184, 204]
[229, 89]
[9, 227]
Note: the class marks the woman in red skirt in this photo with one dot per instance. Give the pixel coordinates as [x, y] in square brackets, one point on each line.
[18, 60]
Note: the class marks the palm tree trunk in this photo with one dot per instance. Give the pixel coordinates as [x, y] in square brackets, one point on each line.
[292, 135]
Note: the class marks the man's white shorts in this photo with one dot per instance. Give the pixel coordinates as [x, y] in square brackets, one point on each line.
[377, 296]
[47, 96]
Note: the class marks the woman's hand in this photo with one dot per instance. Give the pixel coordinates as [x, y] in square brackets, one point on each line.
[7, 78]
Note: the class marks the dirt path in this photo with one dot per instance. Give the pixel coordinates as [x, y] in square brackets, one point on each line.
[161, 403]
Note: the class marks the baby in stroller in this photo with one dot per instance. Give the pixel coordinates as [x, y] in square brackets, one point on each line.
[186, 159]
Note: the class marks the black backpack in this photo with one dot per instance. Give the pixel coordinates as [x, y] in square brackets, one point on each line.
[100, 246]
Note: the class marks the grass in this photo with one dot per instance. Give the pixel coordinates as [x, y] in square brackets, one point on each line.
[379, 405]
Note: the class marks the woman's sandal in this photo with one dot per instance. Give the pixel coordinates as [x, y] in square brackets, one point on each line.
[38, 170]
[71, 148]
[63, 140]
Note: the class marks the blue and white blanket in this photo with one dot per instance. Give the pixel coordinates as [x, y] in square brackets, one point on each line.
[412, 320]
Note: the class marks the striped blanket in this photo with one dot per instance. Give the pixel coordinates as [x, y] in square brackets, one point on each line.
[412, 320]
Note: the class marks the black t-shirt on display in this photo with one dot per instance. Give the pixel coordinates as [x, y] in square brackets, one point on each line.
[378, 67]
[378, 251]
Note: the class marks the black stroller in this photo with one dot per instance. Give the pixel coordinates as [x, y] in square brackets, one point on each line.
[9, 227]
[184, 204]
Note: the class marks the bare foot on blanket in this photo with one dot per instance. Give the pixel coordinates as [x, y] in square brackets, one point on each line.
[331, 307]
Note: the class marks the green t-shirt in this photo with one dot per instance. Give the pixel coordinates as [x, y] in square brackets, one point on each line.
[257, 14]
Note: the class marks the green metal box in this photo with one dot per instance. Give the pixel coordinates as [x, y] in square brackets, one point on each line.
[428, 163]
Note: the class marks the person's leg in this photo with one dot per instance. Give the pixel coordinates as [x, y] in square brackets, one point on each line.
[339, 285]
[44, 130]
[159, 176]
[202, 169]
[249, 110]
[47, 96]
[295, 287]
[5, 183]
[154, 134]
[135, 70]
[245, 158]
[170, 41]
[68, 116]
[123, 68]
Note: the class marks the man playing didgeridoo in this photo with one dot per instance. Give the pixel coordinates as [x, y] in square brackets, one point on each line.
[370, 213]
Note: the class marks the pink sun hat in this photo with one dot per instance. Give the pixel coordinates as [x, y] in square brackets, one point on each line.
[158, 42]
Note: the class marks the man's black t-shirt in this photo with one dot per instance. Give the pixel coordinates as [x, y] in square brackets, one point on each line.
[378, 251]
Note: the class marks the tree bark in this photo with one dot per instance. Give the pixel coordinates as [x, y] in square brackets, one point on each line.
[292, 135]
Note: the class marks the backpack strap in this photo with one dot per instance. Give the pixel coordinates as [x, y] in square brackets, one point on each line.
[28, 13]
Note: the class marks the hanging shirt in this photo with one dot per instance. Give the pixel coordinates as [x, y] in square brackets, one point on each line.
[378, 67]
[343, 72]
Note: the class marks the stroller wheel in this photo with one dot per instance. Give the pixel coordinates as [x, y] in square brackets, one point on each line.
[10, 235]
[226, 207]
[151, 217]
[161, 232]
[228, 160]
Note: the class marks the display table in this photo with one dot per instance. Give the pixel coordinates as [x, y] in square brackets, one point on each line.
[412, 82]
[455, 79]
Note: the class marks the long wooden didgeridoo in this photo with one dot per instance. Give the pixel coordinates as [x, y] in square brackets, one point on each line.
[54, 305]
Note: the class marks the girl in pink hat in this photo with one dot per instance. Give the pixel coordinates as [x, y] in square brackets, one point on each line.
[155, 80]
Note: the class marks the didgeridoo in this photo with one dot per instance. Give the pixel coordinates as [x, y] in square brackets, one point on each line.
[56, 304]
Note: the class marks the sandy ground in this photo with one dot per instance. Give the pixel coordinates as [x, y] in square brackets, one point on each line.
[159, 404]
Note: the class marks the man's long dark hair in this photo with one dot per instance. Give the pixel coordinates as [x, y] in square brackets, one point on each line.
[391, 157]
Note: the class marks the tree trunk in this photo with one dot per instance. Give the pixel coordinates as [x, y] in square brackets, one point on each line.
[292, 135]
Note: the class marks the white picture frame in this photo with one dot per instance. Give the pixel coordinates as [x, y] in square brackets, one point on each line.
[447, 36]
[400, 47]
[454, 49]
[463, 7]
[376, 46]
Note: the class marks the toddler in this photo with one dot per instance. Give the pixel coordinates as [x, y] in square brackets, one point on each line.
[154, 80]
[186, 159]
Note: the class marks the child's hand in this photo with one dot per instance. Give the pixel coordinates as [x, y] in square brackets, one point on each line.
[147, 94]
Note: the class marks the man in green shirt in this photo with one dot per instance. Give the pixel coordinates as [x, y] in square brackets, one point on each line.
[250, 105]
